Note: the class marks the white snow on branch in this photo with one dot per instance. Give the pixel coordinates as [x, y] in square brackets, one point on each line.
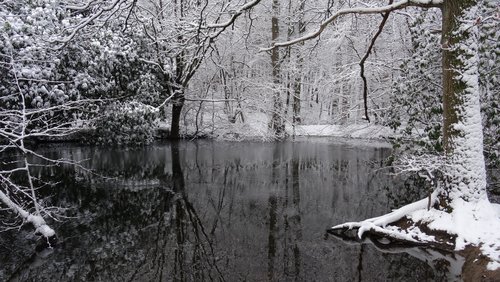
[38, 222]
[358, 10]
[234, 14]
[384, 220]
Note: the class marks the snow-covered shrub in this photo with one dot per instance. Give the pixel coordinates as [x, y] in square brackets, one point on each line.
[489, 82]
[130, 123]
[416, 98]
[27, 63]
[416, 110]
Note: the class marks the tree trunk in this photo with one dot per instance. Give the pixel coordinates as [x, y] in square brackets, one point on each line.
[277, 121]
[177, 104]
[462, 128]
[300, 62]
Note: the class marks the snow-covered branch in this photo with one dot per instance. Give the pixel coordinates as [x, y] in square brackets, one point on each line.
[358, 10]
[101, 9]
[234, 15]
[21, 121]
[377, 223]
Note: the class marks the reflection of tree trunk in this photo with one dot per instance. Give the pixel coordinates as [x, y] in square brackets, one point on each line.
[271, 254]
[292, 221]
[180, 213]
[273, 211]
[187, 224]
[177, 174]
[360, 262]
[297, 218]
[178, 187]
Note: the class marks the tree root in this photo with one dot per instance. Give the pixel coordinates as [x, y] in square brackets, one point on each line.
[395, 229]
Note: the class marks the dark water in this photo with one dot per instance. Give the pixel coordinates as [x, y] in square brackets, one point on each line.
[204, 210]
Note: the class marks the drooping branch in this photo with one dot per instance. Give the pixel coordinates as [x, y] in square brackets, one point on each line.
[38, 222]
[358, 10]
[365, 57]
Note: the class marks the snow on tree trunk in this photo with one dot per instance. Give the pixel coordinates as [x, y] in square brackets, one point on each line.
[462, 128]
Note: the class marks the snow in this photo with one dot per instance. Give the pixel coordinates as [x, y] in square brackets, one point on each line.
[384, 220]
[475, 223]
[365, 131]
[37, 221]
[40, 225]
[256, 127]
[468, 173]
[45, 231]
[356, 10]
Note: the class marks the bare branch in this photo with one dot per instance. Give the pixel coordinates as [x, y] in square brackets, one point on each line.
[362, 62]
[358, 10]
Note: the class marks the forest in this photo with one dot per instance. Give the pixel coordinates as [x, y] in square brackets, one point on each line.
[123, 75]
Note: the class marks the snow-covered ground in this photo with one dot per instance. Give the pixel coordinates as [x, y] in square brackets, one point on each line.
[255, 127]
[473, 223]
[365, 131]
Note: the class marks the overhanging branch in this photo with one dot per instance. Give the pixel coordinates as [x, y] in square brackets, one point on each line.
[372, 10]
[365, 57]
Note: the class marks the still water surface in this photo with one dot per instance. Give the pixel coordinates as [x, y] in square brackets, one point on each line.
[205, 210]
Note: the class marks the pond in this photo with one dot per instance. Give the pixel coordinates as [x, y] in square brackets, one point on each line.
[224, 211]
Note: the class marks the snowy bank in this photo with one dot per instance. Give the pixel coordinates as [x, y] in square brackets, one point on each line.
[256, 127]
[363, 131]
[473, 224]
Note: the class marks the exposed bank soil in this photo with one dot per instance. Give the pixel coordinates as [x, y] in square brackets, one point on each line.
[475, 265]
[474, 268]
[473, 262]
[444, 240]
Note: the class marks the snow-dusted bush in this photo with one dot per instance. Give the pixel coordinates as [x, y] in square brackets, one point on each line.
[416, 111]
[130, 123]
[27, 63]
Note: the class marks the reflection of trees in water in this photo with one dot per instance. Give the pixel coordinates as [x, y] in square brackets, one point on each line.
[407, 190]
[286, 193]
[444, 265]
[153, 234]
[202, 259]
[203, 211]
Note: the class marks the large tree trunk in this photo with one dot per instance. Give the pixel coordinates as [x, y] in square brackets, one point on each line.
[277, 122]
[177, 104]
[462, 128]
[178, 92]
